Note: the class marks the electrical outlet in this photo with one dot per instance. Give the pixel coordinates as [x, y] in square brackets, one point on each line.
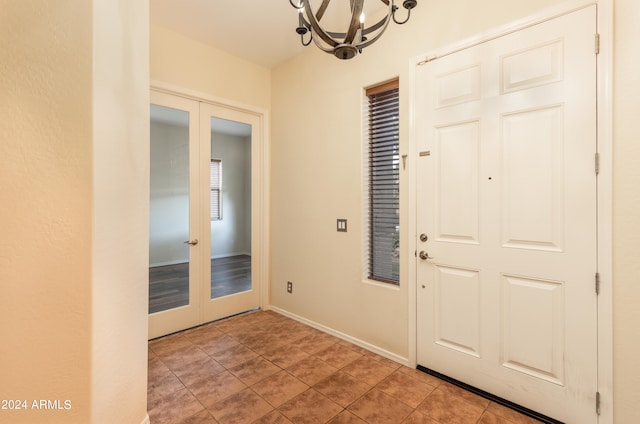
[289, 287]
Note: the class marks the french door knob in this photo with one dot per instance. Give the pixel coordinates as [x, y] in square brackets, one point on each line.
[191, 242]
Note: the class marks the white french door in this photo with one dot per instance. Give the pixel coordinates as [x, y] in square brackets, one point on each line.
[204, 245]
[228, 136]
[506, 217]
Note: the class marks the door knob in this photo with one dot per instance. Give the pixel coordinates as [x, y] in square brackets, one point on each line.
[191, 242]
[423, 237]
[424, 255]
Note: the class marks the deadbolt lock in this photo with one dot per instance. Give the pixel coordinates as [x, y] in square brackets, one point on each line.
[423, 237]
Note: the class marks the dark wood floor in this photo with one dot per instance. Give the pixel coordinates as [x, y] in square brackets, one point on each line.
[169, 285]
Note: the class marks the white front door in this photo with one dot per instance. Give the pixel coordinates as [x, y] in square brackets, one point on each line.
[506, 217]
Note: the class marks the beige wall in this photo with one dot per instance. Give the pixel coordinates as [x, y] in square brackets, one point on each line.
[120, 235]
[46, 184]
[73, 326]
[188, 64]
[316, 178]
[626, 210]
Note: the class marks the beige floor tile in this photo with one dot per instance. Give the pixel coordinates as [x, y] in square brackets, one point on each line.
[310, 407]
[265, 368]
[346, 417]
[174, 408]
[273, 417]
[234, 355]
[212, 391]
[311, 370]
[203, 417]
[338, 355]
[254, 370]
[509, 414]
[342, 388]
[376, 407]
[368, 370]
[279, 388]
[201, 369]
[447, 407]
[286, 356]
[243, 407]
[405, 388]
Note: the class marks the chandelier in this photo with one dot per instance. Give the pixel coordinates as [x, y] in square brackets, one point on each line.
[345, 45]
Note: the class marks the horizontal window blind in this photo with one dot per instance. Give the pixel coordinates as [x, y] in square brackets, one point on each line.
[216, 186]
[384, 174]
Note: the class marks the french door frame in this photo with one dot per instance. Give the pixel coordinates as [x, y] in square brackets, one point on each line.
[260, 189]
[604, 92]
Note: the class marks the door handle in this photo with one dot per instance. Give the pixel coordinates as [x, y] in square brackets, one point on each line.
[191, 242]
[424, 255]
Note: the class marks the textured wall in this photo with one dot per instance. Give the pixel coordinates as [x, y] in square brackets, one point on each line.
[74, 187]
[46, 212]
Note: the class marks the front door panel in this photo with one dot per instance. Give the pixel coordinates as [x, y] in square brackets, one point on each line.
[507, 198]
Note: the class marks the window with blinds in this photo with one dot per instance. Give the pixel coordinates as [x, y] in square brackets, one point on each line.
[216, 189]
[383, 173]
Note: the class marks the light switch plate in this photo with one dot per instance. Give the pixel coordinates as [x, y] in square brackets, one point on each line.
[341, 225]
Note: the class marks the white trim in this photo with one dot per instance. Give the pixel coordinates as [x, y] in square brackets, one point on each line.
[166, 263]
[200, 96]
[229, 255]
[605, 181]
[146, 420]
[365, 345]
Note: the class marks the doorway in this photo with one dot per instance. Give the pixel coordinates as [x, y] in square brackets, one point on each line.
[205, 208]
[506, 216]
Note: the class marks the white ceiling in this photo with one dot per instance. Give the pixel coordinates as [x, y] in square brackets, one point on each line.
[261, 31]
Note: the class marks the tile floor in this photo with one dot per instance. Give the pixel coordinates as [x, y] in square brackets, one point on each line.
[262, 367]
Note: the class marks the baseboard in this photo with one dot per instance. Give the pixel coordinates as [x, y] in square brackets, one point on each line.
[361, 343]
[229, 255]
[146, 420]
[176, 262]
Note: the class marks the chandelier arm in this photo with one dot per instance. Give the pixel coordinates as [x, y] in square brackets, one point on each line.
[354, 25]
[295, 6]
[315, 26]
[322, 9]
[382, 22]
[380, 25]
[323, 47]
[308, 42]
[394, 16]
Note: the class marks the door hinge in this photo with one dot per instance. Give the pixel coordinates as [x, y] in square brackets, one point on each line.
[598, 403]
[597, 283]
[597, 163]
[597, 44]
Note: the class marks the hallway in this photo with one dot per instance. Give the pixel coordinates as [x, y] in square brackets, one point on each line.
[262, 367]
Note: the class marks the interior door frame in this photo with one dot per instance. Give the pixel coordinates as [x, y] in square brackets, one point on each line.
[604, 93]
[261, 138]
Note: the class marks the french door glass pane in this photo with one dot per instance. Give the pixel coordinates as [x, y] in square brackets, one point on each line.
[169, 209]
[231, 224]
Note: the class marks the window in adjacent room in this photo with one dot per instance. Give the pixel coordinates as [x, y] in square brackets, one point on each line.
[216, 189]
[382, 164]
